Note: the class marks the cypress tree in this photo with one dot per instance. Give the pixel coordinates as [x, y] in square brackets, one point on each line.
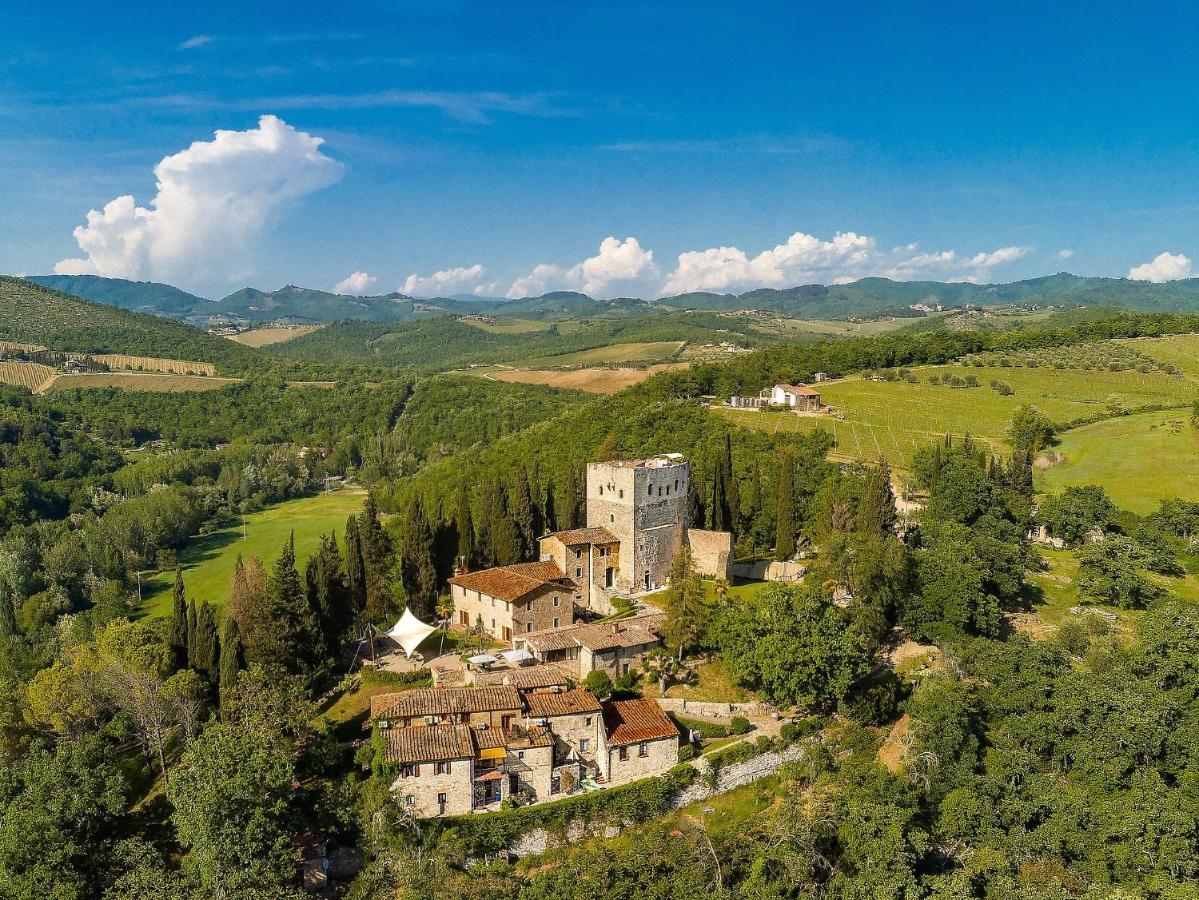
[876, 509]
[207, 646]
[539, 527]
[329, 596]
[549, 511]
[464, 525]
[573, 505]
[355, 575]
[293, 642]
[720, 500]
[376, 562]
[522, 512]
[505, 536]
[753, 498]
[731, 491]
[696, 514]
[192, 659]
[179, 622]
[232, 658]
[784, 534]
[418, 570]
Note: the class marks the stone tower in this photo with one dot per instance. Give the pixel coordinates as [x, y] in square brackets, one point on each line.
[644, 504]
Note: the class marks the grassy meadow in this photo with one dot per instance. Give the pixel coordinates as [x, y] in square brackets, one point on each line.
[209, 561]
[1139, 459]
[591, 380]
[655, 351]
[265, 337]
[893, 419]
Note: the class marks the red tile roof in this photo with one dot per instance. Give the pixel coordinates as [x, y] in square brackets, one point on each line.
[799, 389]
[596, 636]
[444, 702]
[511, 583]
[634, 721]
[427, 743]
[562, 703]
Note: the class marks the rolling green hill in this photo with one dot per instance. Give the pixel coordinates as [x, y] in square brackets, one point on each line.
[33, 314]
[136, 296]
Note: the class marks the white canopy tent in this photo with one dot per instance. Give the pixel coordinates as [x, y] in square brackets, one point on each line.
[483, 659]
[516, 656]
[409, 632]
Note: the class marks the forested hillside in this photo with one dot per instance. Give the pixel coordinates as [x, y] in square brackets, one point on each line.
[37, 315]
[448, 343]
[137, 296]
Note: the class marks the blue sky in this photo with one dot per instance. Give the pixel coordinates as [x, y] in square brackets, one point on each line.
[501, 144]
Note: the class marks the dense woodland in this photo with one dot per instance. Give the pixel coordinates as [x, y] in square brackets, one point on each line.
[177, 757]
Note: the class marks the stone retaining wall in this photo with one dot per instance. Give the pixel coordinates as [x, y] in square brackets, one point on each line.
[706, 710]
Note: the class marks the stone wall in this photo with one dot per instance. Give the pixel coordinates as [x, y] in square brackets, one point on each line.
[707, 710]
[660, 755]
[771, 570]
[457, 785]
[711, 552]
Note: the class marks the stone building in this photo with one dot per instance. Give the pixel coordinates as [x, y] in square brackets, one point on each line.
[643, 503]
[641, 741]
[615, 647]
[495, 706]
[511, 600]
[590, 559]
[794, 396]
[455, 751]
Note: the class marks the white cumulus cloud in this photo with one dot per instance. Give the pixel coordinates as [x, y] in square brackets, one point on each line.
[1163, 267]
[802, 259]
[213, 201]
[458, 280]
[356, 284]
[950, 266]
[1065, 254]
[620, 267]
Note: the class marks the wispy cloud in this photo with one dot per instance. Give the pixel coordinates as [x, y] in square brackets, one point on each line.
[476, 107]
[198, 40]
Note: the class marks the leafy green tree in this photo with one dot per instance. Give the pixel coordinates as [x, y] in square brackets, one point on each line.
[784, 510]
[1030, 430]
[1075, 511]
[1108, 572]
[599, 683]
[250, 607]
[187, 693]
[792, 644]
[688, 613]
[294, 641]
[232, 815]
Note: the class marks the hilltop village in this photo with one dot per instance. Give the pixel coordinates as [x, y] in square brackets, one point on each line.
[530, 731]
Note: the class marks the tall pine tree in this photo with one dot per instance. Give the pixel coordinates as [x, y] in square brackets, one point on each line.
[418, 570]
[329, 595]
[376, 563]
[249, 604]
[876, 510]
[294, 642]
[192, 659]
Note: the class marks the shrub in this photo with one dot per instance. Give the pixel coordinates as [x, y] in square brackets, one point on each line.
[874, 703]
[706, 730]
[687, 752]
[599, 683]
[739, 725]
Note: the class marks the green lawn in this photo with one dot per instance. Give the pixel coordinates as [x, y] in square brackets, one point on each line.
[1138, 459]
[208, 562]
[1179, 350]
[893, 419]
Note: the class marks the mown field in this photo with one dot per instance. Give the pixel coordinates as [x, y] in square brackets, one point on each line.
[138, 381]
[1139, 459]
[593, 380]
[893, 419]
[209, 562]
[508, 325]
[264, 337]
[612, 354]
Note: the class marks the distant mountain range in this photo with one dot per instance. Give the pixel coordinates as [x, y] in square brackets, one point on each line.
[864, 297]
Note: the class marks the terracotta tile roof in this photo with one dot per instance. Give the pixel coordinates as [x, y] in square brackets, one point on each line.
[531, 678]
[488, 738]
[799, 389]
[427, 743]
[563, 703]
[528, 738]
[596, 636]
[633, 721]
[576, 536]
[492, 775]
[511, 582]
[444, 701]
